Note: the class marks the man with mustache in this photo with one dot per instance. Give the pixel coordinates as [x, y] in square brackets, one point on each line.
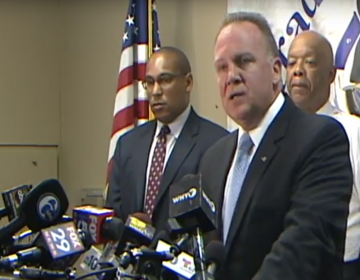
[151, 157]
[310, 72]
[283, 179]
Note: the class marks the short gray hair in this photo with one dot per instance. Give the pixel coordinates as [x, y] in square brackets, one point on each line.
[256, 19]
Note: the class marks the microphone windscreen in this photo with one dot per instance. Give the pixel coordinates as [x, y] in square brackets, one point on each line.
[113, 228]
[161, 235]
[86, 239]
[215, 253]
[143, 217]
[44, 205]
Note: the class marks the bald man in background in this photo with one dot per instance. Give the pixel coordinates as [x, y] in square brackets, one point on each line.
[310, 72]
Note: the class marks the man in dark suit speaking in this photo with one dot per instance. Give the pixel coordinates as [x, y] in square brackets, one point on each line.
[151, 157]
[283, 181]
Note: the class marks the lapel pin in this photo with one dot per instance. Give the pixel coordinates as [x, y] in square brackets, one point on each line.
[264, 158]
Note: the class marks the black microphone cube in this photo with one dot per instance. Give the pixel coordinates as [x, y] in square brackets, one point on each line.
[191, 206]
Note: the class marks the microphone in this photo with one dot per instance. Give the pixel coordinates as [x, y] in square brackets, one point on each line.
[171, 269]
[90, 260]
[135, 232]
[149, 261]
[138, 231]
[94, 257]
[28, 233]
[182, 264]
[174, 228]
[42, 207]
[113, 229]
[215, 255]
[150, 254]
[22, 236]
[19, 241]
[22, 241]
[40, 273]
[176, 247]
[12, 199]
[191, 206]
[57, 247]
[176, 233]
[93, 219]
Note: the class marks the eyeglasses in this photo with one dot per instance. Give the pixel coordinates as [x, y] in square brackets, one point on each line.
[163, 80]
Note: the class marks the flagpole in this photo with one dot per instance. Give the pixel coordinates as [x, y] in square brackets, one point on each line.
[151, 41]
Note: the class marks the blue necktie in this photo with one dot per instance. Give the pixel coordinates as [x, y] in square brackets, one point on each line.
[239, 172]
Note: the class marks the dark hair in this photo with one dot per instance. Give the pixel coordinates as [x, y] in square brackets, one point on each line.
[258, 20]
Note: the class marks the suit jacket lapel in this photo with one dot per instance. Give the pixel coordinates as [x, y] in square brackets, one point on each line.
[141, 160]
[260, 162]
[183, 146]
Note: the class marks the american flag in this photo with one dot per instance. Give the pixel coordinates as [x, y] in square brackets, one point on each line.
[131, 104]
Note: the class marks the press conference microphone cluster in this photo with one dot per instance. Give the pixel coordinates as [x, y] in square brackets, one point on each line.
[139, 253]
[58, 240]
[136, 253]
[127, 245]
[132, 250]
[183, 263]
[56, 244]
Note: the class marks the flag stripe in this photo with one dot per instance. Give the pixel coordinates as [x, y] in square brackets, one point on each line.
[126, 96]
[124, 118]
[131, 104]
[131, 74]
[132, 55]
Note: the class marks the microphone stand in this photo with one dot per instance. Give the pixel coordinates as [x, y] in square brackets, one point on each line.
[199, 256]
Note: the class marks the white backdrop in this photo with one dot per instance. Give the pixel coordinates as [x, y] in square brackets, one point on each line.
[337, 20]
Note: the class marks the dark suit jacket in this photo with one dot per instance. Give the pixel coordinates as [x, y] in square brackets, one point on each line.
[128, 182]
[290, 220]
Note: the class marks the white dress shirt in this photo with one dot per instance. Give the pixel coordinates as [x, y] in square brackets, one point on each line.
[175, 130]
[351, 125]
[256, 136]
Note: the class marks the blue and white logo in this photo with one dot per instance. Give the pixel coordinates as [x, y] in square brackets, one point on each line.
[48, 207]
